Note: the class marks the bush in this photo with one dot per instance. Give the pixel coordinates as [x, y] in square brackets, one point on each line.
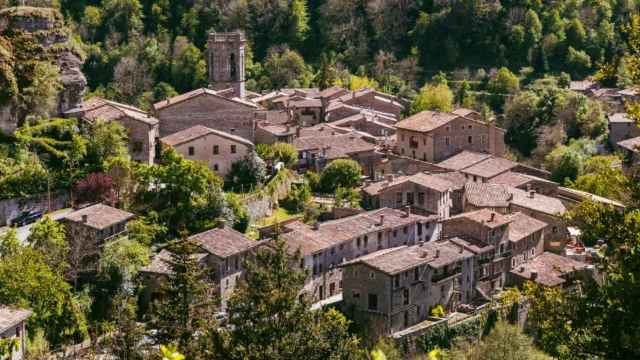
[298, 197]
[340, 173]
[246, 173]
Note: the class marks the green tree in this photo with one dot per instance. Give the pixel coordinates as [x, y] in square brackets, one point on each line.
[49, 237]
[246, 174]
[271, 291]
[278, 152]
[127, 334]
[184, 194]
[285, 68]
[189, 69]
[299, 20]
[123, 17]
[504, 82]
[340, 173]
[39, 99]
[433, 97]
[601, 177]
[186, 305]
[106, 140]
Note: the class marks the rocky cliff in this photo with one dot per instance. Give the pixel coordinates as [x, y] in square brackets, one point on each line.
[28, 35]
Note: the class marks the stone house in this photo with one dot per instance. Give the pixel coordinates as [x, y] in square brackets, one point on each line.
[434, 136]
[397, 287]
[142, 129]
[631, 150]
[621, 127]
[424, 193]
[324, 246]
[371, 99]
[88, 230]
[275, 126]
[207, 108]
[494, 197]
[526, 238]
[526, 182]
[307, 112]
[226, 62]
[315, 152]
[546, 209]
[482, 167]
[223, 252]
[218, 149]
[551, 270]
[13, 324]
[368, 123]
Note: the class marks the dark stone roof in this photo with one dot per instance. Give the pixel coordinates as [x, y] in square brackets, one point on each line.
[99, 216]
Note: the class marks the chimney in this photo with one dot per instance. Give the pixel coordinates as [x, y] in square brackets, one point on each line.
[437, 253]
[316, 225]
[298, 131]
[381, 220]
[521, 268]
[461, 250]
[424, 254]
[407, 211]
[492, 217]
[85, 218]
[389, 177]
[222, 224]
[534, 275]
[532, 194]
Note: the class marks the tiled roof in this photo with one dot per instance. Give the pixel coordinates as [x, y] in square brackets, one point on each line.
[426, 121]
[537, 202]
[583, 85]
[632, 144]
[161, 263]
[198, 92]
[550, 269]
[436, 183]
[396, 260]
[107, 110]
[620, 118]
[485, 217]
[523, 225]
[629, 91]
[490, 167]
[266, 97]
[464, 112]
[332, 233]
[331, 92]
[510, 178]
[99, 216]
[12, 316]
[463, 160]
[487, 195]
[454, 177]
[335, 146]
[223, 241]
[198, 131]
[473, 245]
[306, 103]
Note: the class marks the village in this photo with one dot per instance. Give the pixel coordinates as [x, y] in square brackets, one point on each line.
[445, 222]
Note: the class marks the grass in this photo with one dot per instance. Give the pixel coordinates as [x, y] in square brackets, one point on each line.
[280, 214]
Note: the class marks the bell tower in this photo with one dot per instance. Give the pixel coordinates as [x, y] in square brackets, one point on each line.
[225, 59]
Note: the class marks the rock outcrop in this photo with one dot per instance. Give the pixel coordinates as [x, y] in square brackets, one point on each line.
[48, 40]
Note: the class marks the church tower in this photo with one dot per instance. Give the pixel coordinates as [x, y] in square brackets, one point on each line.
[226, 61]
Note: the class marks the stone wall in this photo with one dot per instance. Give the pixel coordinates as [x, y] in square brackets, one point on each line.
[11, 208]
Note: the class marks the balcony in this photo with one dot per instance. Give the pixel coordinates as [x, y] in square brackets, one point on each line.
[446, 275]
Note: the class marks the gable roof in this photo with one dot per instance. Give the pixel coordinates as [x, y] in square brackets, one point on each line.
[538, 202]
[632, 144]
[428, 181]
[487, 195]
[490, 167]
[484, 217]
[523, 225]
[11, 316]
[161, 263]
[223, 241]
[426, 121]
[198, 131]
[550, 269]
[620, 118]
[463, 160]
[107, 110]
[160, 105]
[335, 146]
[99, 216]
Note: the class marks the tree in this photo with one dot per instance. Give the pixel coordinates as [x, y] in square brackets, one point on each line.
[39, 98]
[189, 69]
[578, 62]
[240, 213]
[361, 82]
[504, 82]
[40, 288]
[284, 68]
[123, 17]
[271, 321]
[299, 19]
[567, 161]
[186, 306]
[49, 237]
[347, 197]
[246, 174]
[340, 173]
[131, 78]
[278, 152]
[107, 140]
[127, 334]
[601, 177]
[433, 97]
[505, 342]
[96, 187]
[184, 194]
[298, 198]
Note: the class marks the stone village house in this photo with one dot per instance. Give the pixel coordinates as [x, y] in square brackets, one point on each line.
[13, 325]
[218, 149]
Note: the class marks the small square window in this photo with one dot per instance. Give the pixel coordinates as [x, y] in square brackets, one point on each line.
[233, 149]
[192, 150]
[372, 275]
[216, 150]
[215, 167]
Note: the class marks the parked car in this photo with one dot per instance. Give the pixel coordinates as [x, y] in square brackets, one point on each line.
[27, 217]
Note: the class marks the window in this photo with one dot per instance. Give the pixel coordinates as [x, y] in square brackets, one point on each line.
[405, 296]
[358, 242]
[366, 240]
[396, 281]
[372, 275]
[235, 263]
[533, 252]
[333, 251]
[226, 285]
[409, 198]
[448, 128]
[341, 247]
[395, 233]
[137, 146]
[405, 230]
[398, 198]
[513, 262]
[421, 198]
[470, 139]
[555, 229]
[233, 149]
[402, 137]
[416, 274]
[356, 294]
[419, 228]
[470, 127]
[373, 302]
[446, 141]
[192, 150]
[216, 149]
[215, 167]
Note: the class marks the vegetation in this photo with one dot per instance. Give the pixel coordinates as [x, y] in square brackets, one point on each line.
[340, 173]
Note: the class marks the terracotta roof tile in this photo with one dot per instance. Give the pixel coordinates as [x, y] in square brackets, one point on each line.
[107, 110]
[487, 195]
[523, 225]
[306, 103]
[485, 217]
[510, 178]
[198, 131]
[428, 181]
[12, 316]
[426, 121]
[195, 93]
[490, 167]
[463, 160]
[99, 216]
[161, 263]
[336, 146]
[223, 242]
[550, 269]
[538, 202]
[632, 144]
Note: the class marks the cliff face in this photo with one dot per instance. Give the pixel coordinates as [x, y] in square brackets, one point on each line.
[27, 35]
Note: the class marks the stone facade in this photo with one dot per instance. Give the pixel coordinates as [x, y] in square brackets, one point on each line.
[621, 127]
[327, 245]
[432, 136]
[13, 324]
[226, 61]
[217, 149]
[205, 107]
